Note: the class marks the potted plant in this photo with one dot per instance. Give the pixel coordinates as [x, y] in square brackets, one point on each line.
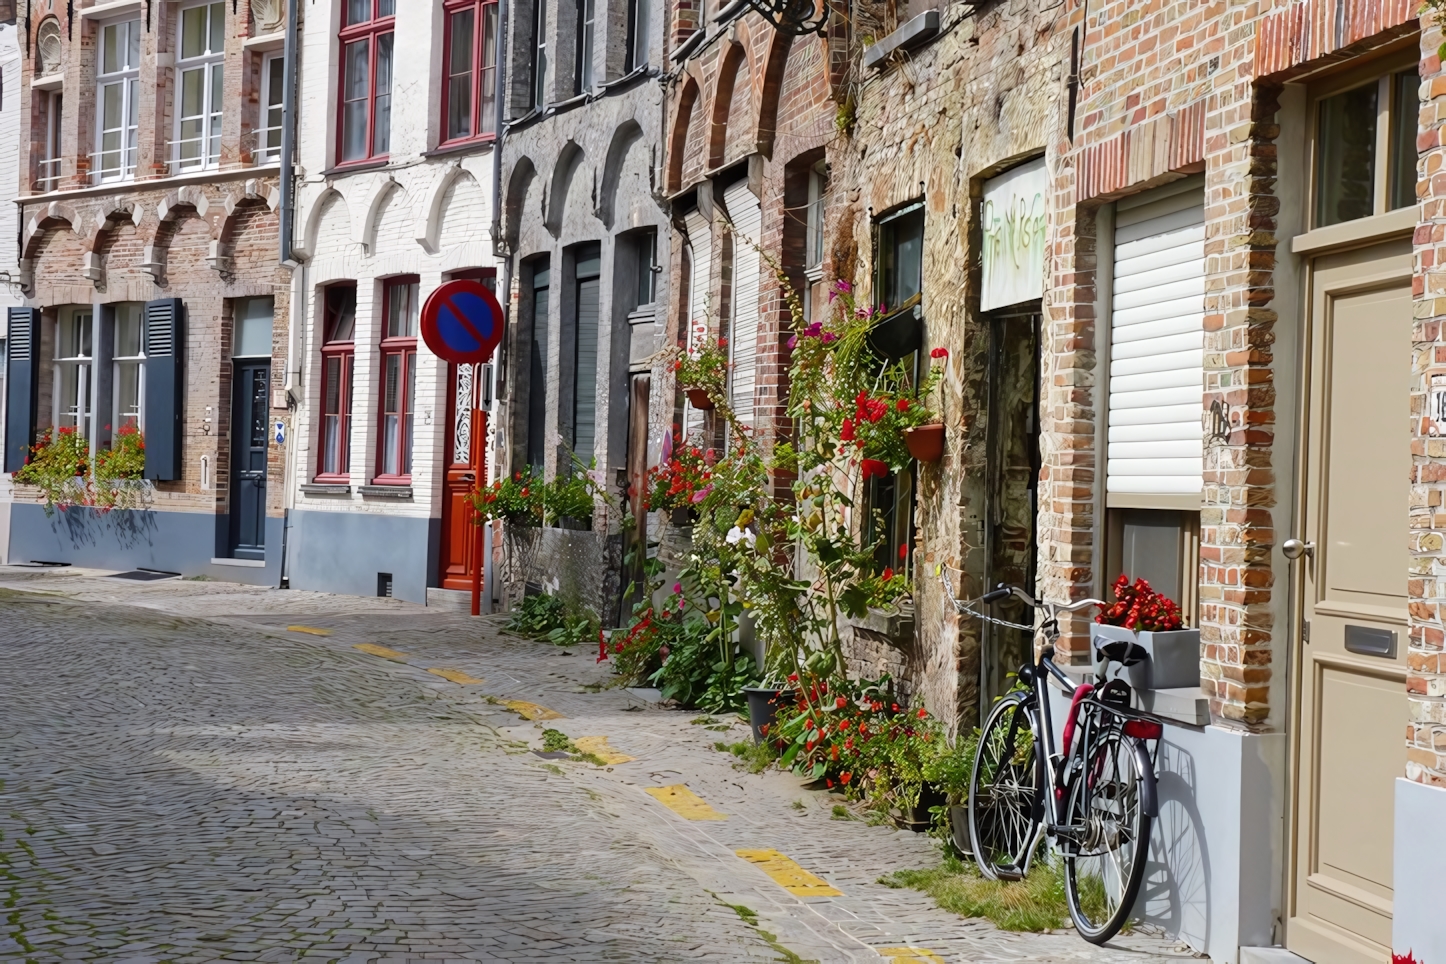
[61, 467]
[764, 702]
[1141, 616]
[923, 433]
[949, 770]
[703, 374]
[901, 333]
[681, 479]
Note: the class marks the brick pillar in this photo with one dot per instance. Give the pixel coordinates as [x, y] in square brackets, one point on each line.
[1426, 586]
[1236, 532]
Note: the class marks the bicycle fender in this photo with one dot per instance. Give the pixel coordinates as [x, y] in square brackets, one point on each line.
[1149, 798]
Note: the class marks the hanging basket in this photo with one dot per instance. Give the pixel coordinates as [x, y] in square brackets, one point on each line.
[698, 398]
[926, 442]
[900, 334]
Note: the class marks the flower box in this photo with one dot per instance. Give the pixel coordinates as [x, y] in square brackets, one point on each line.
[698, 398]
[1174, 657]
[926, 442]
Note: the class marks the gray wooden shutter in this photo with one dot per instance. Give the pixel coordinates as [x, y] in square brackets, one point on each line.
[585, 400]
[22, 385]
[165, 382]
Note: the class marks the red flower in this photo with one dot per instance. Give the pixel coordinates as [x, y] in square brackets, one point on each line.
[846, 776]
[873, 467]
[939, 353]
[902, 404]
[904, 551]
[840, 702]
[847, 434]
[923, 713]
[888, 573]
[1407, 958]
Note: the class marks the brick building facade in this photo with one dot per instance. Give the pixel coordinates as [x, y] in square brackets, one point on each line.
[148, 255]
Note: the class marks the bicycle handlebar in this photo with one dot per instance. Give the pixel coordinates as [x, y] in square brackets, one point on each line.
[1051, 609]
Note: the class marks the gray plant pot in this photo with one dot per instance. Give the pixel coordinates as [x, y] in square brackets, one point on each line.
[1174, 657]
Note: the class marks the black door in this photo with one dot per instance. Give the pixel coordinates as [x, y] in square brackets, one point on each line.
[248, 459]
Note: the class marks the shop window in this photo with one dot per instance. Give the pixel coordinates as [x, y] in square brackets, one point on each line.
[366, 80]
[47, 168]
[118, 100]
[640, 14]
[128, 360]
[199, 69]
[338, 366]
[401, 310]
[539, 54]
[74, 360]
[586, 27]
[273, 92]
[469, 96]
[1365, 148]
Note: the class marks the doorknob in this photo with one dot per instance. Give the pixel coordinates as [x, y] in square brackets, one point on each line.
[1294, 549]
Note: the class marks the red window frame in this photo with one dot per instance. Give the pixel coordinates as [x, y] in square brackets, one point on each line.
[338, 354]
[481, 69]
[369, 31]
[402, 347]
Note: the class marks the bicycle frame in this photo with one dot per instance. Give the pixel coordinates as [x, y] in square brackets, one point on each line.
[1041, 719]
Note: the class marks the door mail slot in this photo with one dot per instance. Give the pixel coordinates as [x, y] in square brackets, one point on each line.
[1371, 642]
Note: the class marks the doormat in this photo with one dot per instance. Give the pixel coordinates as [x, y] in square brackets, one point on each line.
[144, 574]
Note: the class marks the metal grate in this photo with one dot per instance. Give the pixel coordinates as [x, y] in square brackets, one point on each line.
[160, 329]
[384, 584]
[20, 334]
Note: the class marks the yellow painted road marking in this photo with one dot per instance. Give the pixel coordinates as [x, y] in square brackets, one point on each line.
[456, 676]
[598, 747]
[685, 803]
[910, 955]
[531, 711]
[381, 651]
[313, 630]
[789, 875]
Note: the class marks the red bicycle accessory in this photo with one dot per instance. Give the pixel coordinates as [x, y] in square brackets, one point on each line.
[1144, 729]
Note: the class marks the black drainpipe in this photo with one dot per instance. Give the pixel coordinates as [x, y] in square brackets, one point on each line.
[288, 137]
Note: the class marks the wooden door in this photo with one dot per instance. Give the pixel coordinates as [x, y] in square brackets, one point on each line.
[1350, 738]
[249, 439]
[458, 481]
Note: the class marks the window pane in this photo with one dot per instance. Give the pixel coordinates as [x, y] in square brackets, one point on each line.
[193, 32]
[133, 44]
[488, 97]
[459, 75]
[1346, 157]
[128, 392]
[386, 8]
[902, 255]
[112, 106]
[127, 330]
[218, 27]
[69, 389]
[406, 467]
[382, 116]
[402, 311]
[341, 313]
[358, 11]
[112, 40]
[391, 414]
[1405, 112]
[354, 102]
[642, 14]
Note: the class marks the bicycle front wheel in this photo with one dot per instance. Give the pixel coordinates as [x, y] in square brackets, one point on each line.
[1104, 863]
[1004, 790]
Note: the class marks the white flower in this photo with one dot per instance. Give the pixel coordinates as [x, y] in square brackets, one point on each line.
[737, 535]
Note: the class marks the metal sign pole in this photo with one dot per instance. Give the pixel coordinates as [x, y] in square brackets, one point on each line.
[479, 475]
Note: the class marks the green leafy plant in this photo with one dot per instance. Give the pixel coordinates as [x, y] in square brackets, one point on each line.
[704, 368]
[575, 628]
[517, 500]
[571, 496]
[60, 465]
[1036, 903]
[537, 616]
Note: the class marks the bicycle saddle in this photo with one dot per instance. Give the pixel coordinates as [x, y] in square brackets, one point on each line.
[1123, 652]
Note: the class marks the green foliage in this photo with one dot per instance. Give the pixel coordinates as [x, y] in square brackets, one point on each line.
[705, 368]
[517, 500]
[537, 616]
[575, 628]
[556, 741]
[1036, 903]
[60, 466]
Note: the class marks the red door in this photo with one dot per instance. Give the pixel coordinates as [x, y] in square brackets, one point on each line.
[458, 535]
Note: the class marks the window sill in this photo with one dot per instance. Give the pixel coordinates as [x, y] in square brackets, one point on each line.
[621, 82]
[325, 488]
[1360, 231]
[48, 82]
[563, 106]
[460, 147]
[265, 42]
[146, 184]
[384, 490]
[356, 167]
[912, 34]
[643, 314]
[116, 8]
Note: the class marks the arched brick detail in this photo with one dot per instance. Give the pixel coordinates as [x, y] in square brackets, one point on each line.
[767, 127]
[523, 172]
[108, 218]
[735, 61]
[54, 215]
[678, 139]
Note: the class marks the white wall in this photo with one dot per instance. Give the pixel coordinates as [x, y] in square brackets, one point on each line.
[1419, 924]
[10, 65]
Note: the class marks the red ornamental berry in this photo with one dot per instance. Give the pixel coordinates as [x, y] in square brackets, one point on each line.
[846, 776]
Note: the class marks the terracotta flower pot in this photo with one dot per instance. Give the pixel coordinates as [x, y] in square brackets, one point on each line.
[699, 399]
[926, 442]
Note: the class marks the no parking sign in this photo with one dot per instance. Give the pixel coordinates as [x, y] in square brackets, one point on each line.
[462, 322]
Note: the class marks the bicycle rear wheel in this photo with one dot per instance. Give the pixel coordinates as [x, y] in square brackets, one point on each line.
[1004, 790]
[1103, 868]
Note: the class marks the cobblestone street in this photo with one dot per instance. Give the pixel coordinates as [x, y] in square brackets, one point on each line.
[199, 771]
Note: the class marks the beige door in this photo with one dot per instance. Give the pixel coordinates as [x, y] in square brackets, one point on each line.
[1352, 706]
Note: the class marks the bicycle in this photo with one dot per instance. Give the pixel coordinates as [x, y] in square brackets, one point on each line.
[1102, 799]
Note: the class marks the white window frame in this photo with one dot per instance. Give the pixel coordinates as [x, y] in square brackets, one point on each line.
[586, 46]
[127, 77]
[266, 152]
[74, 412]
[120, 361]
[641, 14]
[48, 167]
[539, 54]
[210, 64]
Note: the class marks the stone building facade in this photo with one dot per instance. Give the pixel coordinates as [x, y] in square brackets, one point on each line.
[584, 239]
[10, 67]
[397, 124]
[148, 257]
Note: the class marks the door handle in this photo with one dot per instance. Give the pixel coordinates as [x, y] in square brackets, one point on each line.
[468, 477]
[1294, 549]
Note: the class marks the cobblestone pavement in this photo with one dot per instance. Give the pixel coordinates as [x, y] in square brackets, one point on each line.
[185, 778]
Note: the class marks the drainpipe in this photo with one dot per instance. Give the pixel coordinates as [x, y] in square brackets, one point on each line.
[288, 137]
[504, 281]
[286, 217]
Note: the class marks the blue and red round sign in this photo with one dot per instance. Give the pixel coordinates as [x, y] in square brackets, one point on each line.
[462, 322]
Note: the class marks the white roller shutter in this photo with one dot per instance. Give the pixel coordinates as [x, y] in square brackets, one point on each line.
[1157, 341]
[700, 261]
[747, 216]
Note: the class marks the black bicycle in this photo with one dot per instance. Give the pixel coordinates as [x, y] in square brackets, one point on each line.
[1095, 797]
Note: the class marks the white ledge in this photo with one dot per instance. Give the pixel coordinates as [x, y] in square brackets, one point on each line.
[242, 563]
[115, 8]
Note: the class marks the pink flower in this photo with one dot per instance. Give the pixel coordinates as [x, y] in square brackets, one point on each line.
[702, 493]
[677, 588]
